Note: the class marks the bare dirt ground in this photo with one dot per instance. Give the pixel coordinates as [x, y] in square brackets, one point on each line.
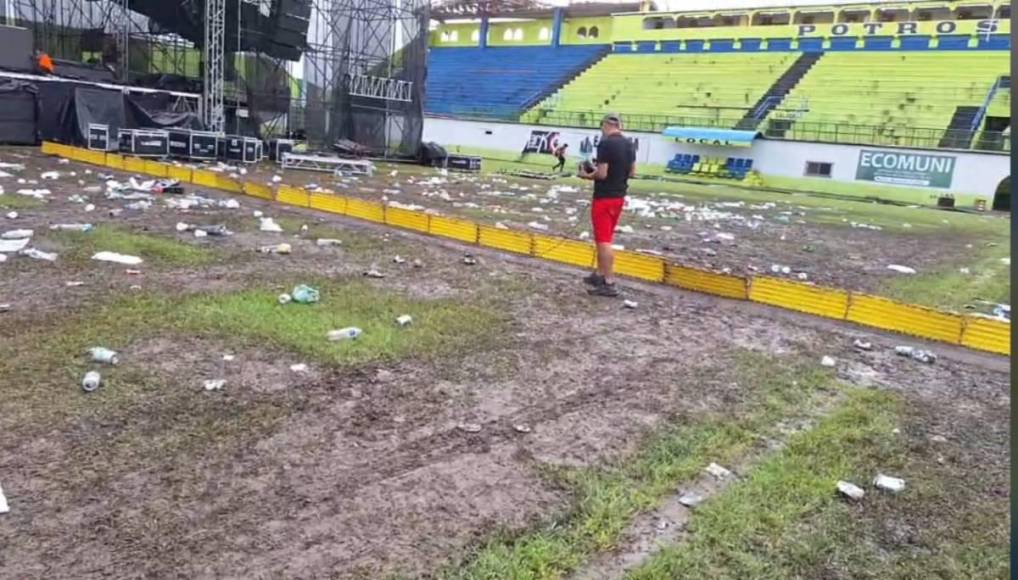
[363, 471]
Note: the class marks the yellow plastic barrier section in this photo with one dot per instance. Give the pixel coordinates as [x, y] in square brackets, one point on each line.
[706, 282]
[293, 196]
[182, 174]
[873, 311]
[204, 177]
[905, 318]
[985, 334]
[508, 240]
[365, 210]
[825, 302]
[114, 161]
[228, 184]
[640, 266]
[461, 230]
[327, 202]
[157, 169]
[258, 190]
[134, 165]
[564, 250]
[407, 219]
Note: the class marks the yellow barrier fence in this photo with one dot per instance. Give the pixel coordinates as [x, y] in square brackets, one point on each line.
[407, 219]
[293, 196]
[797, 296]
[905, 318]
[706, 282]
[508, 240]
[327, 202]
[873, 311]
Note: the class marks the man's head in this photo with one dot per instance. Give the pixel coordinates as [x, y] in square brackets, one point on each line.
[611, 124]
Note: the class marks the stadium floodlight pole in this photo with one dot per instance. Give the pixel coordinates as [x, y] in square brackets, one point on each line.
[213, 109]
[123, 37]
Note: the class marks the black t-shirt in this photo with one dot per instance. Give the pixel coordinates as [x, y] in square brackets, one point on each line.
[620, 155]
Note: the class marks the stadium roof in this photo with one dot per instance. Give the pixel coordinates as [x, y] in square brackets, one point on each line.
[526, 8]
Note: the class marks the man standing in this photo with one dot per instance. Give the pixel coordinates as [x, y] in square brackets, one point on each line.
[560, 154]
[615, 164]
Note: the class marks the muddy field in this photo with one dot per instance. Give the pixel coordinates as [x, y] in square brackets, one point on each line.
[725, 229]
[411, 451]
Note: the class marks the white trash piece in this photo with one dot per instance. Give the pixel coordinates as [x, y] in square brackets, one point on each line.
[850, 490]
[72, 227]
[101, 354]
[862, 344]
[4, 508]
[828, 361]
[91, 381]
[901, 269]
[214, 384]
[16, 234]
[691, 499]
[405, 320]
[299, 368]
[12, 215]
[283, 248]
[117, 258]
[887, 483]
[11, 246]
[40, 255]
[325, 242]
[284, 298]
[348, 333]
[50, 175]
[269, 225]
[631, 304]
[718, 471]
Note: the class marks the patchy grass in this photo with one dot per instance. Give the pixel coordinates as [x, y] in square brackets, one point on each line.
[607, 498]
[786, 521]
[989, 279]
[157, 251]
[438, 326]
[746, 531]
[355, 241]
[12, 201]
[43, 368]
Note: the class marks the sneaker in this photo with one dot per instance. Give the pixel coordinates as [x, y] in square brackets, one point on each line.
[608, 290]
[594, 280]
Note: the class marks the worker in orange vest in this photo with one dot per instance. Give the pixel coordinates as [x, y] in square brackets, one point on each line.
[44, 62]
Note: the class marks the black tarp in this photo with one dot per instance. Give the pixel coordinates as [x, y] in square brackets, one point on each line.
[55, 105]
[18, 113]
[98, 106]
[151, 111]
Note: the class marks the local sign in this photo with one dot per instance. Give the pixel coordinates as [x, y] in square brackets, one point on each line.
[896, 28]
[900, 168]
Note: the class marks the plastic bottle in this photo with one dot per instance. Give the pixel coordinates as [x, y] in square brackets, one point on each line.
[72, 227]
[104, 355]
[91, 381]
[349, 333]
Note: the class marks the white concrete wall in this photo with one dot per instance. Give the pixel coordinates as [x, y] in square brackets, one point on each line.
[974, 173]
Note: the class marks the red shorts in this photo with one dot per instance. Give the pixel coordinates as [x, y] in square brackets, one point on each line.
[604, 216]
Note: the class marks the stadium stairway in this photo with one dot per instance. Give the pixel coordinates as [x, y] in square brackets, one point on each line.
[777, 92]
[501, 82]
[959, 131]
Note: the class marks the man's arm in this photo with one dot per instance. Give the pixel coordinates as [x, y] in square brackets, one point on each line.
[600, 173]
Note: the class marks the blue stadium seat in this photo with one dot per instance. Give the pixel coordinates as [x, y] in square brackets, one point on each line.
[722, 45]
[920, 42]
[843, 43]
[811, 44]
[694, 46]
[750, 44]
[500, 82]
[779, 44]
[953, 42]
[877, 42]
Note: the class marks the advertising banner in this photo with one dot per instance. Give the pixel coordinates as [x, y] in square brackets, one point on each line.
[903, 168]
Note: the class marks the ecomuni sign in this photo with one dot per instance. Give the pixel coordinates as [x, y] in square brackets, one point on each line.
[899, 168]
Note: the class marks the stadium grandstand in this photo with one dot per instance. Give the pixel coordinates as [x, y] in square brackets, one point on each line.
[931, 75]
